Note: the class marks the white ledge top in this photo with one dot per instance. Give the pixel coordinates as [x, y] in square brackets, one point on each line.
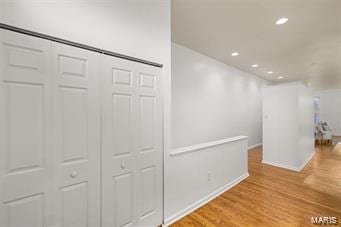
[196, 147]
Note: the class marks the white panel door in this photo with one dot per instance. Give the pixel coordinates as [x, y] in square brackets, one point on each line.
[25, 132]
[131, 144]
[76, 143]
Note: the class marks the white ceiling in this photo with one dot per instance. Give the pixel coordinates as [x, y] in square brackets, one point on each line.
[307, 47]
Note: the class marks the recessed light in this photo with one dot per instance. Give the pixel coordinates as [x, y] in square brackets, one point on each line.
[280, 77]
[282, 20]
[235, 54]
[270, 72]
[254, 66]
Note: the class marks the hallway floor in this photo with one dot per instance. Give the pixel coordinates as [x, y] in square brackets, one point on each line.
[273, 196]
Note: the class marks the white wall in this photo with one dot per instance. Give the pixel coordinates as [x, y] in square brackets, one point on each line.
[280, 129]
[307, 124]
[139, 28]
[210, 101]
[330, 109]
[192, 179]
[288, 125]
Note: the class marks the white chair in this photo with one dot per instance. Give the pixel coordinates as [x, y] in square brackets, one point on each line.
[325, 133]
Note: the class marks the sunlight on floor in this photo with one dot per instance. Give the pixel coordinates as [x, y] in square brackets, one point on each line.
[330, 166]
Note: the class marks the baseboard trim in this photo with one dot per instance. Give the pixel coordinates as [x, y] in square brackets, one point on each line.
[189, 209]
[306, 161]
[254, 146]
[293, 168]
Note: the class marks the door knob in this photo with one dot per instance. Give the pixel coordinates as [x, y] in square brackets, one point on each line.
[74, 174]
[123, 165]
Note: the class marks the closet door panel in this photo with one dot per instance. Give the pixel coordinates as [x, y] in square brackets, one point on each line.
[119, 143]
[123, 200]
[149, 155]
[76, 123]
[132, 144]
[122, 124]
[27, 211]
[25, 144]
[75, 205]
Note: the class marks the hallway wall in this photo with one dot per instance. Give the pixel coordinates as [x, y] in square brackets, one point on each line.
[210, 101]
[330, 108]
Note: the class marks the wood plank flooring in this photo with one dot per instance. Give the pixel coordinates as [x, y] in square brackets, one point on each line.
[273, 196]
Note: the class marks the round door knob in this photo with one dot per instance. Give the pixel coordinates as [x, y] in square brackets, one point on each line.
[123, 165]
[74, 174]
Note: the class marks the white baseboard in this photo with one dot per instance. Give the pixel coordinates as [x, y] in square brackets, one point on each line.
[254, 146]
[294, 168]
[306, 161]
[189, 209]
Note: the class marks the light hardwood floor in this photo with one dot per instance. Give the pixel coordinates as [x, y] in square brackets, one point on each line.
[273, 196]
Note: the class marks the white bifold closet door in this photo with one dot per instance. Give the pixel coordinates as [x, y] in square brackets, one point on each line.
[26, 137]
[50, 134]
[76, 136]
[53, 172]
[131, 144]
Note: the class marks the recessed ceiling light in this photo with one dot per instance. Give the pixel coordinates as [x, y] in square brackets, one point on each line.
[282, 20]
[254, 66]
[235, 54]
[280, 77]
[270, 72]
